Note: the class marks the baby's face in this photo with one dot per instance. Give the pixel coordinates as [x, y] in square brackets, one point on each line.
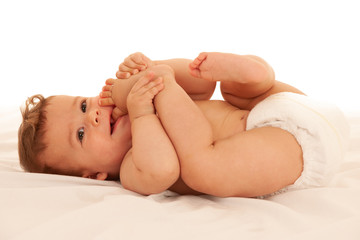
[81, 137]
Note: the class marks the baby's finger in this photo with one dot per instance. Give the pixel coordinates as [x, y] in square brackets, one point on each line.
[153, 87]
[122, 75]
[128, 62]
[142, 81]
[134, 60]
[129, 67]
[136, 57]
[145, 59]
[156, 88]
[125, 68]
[139, 59]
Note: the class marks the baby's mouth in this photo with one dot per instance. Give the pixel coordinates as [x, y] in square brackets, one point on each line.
[111, 128]
[112, 123]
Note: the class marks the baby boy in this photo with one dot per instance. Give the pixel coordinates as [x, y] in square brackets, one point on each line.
[154, 128]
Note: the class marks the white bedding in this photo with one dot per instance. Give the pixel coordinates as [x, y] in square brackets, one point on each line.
[40, 206]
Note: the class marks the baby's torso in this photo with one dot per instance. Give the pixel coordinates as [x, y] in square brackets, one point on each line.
[226, 120]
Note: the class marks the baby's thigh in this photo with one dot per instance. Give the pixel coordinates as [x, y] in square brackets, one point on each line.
[236, 94]
[253, 163]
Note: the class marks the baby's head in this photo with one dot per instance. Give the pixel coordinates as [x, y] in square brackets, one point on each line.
[72, 136]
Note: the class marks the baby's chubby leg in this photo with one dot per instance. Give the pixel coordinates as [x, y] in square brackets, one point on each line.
[216, 66]
[231, 166]
[242, 77]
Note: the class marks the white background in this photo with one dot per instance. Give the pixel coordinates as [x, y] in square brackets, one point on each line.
[72, 47]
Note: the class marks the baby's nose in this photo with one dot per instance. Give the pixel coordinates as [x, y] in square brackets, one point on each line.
[95, 117]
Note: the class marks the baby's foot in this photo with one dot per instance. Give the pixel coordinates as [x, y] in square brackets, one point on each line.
[115, 93]
[216, 66]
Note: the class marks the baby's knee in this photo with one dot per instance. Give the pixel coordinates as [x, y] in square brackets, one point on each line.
[232, 95]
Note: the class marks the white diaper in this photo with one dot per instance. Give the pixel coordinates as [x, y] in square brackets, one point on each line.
[320, 128]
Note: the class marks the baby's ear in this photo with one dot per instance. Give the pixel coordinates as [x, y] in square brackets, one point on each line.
[98, 176]
[101, 176]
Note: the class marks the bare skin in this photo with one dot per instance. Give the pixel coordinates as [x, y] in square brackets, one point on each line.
[217, 156]
[229, 67]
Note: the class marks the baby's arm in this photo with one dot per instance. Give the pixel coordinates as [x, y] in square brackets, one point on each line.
[151, 166]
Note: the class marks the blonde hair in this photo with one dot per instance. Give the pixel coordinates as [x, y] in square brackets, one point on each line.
[31, 134]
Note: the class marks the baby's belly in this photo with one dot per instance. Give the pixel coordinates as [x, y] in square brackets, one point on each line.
[225, 119]
[235, 123]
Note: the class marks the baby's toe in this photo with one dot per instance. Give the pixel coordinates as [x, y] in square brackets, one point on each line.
[106, 94]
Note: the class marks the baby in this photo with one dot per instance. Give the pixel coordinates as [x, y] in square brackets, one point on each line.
[164, 133]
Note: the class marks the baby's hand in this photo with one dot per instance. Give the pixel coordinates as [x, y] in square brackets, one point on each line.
[133, 64]
[140, 98]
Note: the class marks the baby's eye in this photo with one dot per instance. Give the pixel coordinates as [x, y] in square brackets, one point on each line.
[81, 134]
[83, 106]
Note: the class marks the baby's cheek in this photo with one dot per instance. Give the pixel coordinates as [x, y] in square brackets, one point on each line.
[112, 156]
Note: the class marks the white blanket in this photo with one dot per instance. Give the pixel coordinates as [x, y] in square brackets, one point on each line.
[40, 206]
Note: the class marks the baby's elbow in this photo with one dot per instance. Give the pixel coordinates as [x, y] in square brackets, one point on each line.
[162, 179]
[167, 176]
[153, 179]
[154, 183]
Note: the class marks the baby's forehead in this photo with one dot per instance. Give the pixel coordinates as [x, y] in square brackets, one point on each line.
[58, 118]
[61, 99]
[61, 104]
